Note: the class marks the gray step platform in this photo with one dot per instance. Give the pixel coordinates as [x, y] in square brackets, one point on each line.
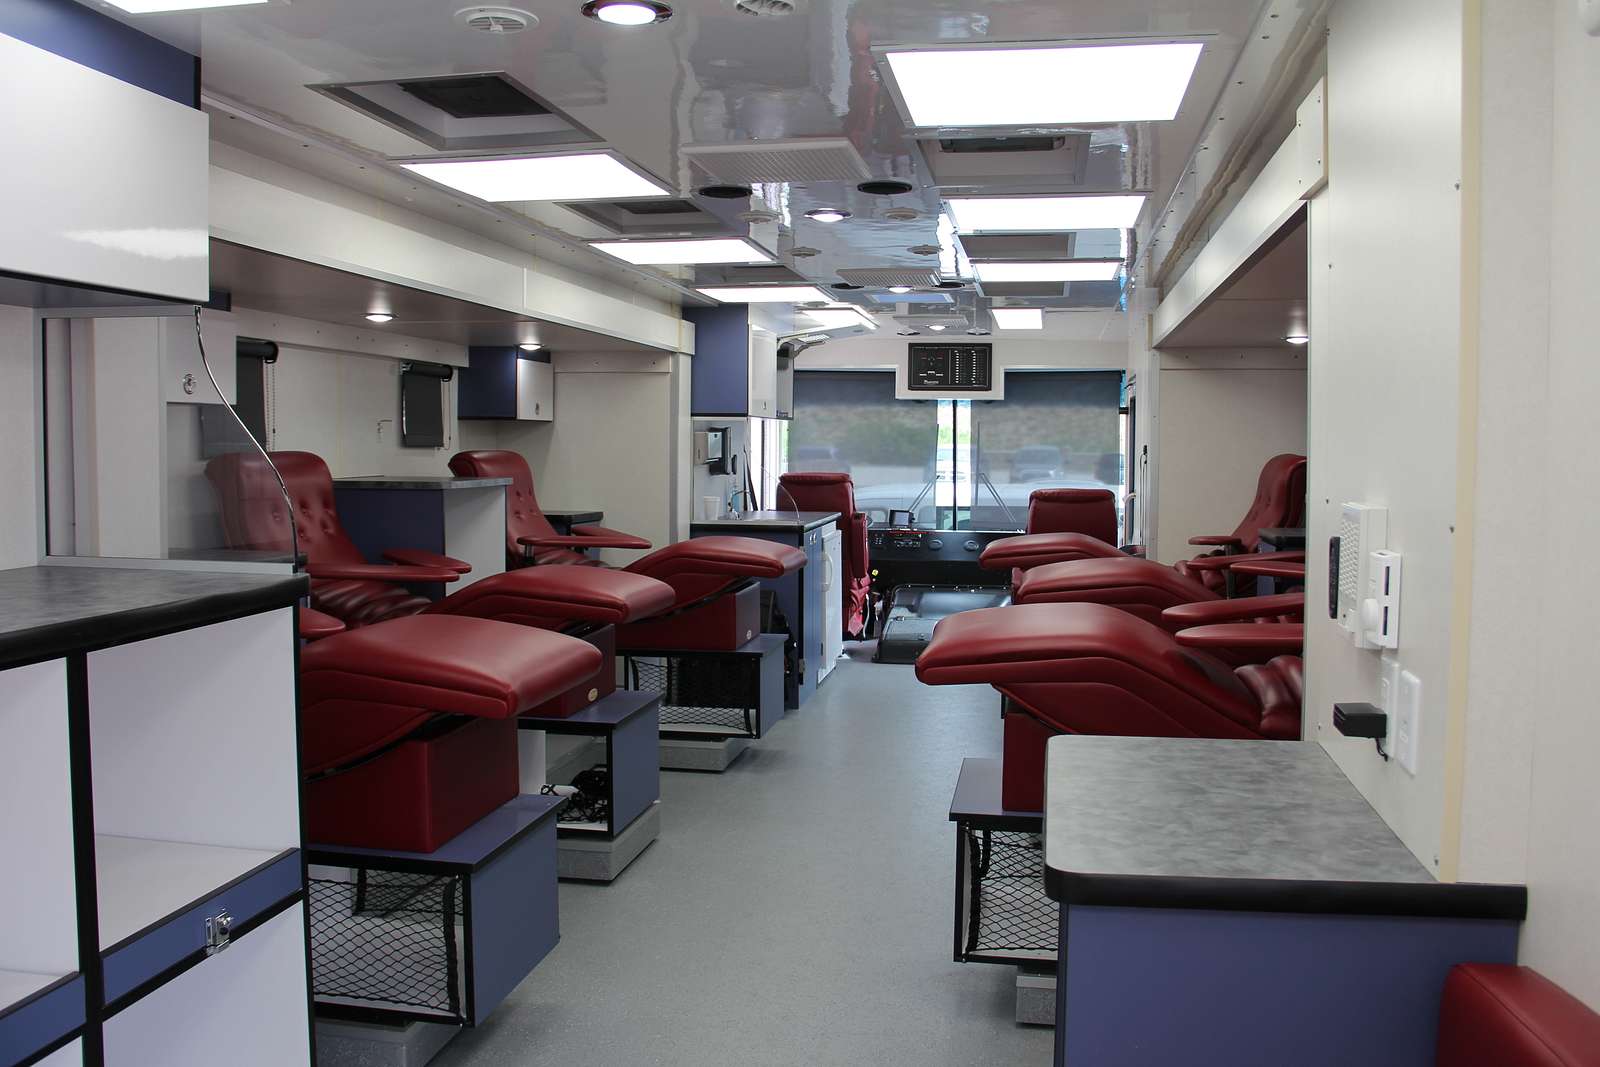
[713, 756]
[582, 858]
[353, 1044]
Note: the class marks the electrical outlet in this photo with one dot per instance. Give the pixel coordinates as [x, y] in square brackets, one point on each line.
[1407, 719]
[1388, 695]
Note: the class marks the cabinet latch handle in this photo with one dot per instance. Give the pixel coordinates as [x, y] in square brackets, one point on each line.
[219, 932]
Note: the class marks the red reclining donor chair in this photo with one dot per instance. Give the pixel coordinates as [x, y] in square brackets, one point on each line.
[1279, 501]
[810, 491]
[716, 602]
[1092, 669]
[530, 538]
[408, 729]
[586, 602]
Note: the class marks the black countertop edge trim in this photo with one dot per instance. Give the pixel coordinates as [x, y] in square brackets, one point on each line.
[97, 631]
[325, 856]
[1438, 900]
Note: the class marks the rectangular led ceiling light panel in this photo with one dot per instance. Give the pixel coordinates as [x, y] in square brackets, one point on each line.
[765, 294]
[157, 7]
[1059, 84]
[575, 176]
[1018, 318]
[838, 318]
[1044, 214]
[675, 253]
[1060, 270]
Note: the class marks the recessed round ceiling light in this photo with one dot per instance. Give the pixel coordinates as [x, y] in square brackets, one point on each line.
[827, 214]
[530, 346]
[978, 331]
[758, 215]
[902, 214]
[844, 286]
[924, 250]
[936, 326]
[804, 251]
[908, 333]
[726, 192]
[950, 285]
[627, 12]
[899, 288]
[380, 316]
[1297, 338]
[885, 187]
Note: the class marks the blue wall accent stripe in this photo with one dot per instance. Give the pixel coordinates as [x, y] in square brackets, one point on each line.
[101, 43]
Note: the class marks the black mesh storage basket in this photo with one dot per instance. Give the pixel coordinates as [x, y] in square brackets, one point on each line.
[1008, 909]
[388, 938]
[723, 692]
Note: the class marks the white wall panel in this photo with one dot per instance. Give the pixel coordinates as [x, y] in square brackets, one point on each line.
[1384, 414]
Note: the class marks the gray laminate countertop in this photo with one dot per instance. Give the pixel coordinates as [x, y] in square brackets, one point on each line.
[1267, 825]
[49, 611]
[799, 521]
[417, 481]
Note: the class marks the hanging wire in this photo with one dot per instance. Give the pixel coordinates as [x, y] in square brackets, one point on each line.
[288, 504]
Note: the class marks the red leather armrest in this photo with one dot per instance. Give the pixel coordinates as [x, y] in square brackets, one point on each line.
[381, 572]
[602, 539]
[315, 624]
[1240, 609]
[1220, 563]
[1220, 540]
[416, 557]
[1276, 638]
[1272, 568]
[613, 538]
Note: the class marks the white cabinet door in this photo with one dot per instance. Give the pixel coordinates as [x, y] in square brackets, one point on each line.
[183, 376]
[833, 580]
[106, 184]
[536, 397]
[763, 374]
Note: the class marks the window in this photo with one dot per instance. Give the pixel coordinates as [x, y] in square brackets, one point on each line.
[960, 464]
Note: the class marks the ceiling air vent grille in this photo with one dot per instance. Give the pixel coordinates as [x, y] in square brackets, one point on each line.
[764, 8]
[883, 277]
[807, 159]
[496, 20]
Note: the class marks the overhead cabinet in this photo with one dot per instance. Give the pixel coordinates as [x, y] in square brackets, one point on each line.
[507, 383]
[113, 209]
[735, 367]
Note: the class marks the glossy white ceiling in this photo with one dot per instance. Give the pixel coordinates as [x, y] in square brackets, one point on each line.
[710, 76]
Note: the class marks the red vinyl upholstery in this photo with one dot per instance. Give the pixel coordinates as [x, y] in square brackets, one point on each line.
[551, 598]
[1279, 501]
[1499, 1015]
[819, 491]
[1140, 587]
[526, 527]
[389, 765]
[1092, 512]
[715, 606]
[1093, 669]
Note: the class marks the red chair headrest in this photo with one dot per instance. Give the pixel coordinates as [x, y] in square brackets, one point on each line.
[1085, 511]
[523, 515]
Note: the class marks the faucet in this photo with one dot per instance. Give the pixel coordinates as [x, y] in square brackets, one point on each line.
[743, 494]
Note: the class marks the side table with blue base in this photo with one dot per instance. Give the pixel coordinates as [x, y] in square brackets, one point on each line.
[433, 938]
[1002, 913]
[713, 704]
[1239, 903]
[622, 733]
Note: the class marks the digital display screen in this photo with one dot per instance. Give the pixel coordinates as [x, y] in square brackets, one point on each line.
[950, 368]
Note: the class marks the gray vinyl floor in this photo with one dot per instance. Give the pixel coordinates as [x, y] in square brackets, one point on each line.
[796, 909]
